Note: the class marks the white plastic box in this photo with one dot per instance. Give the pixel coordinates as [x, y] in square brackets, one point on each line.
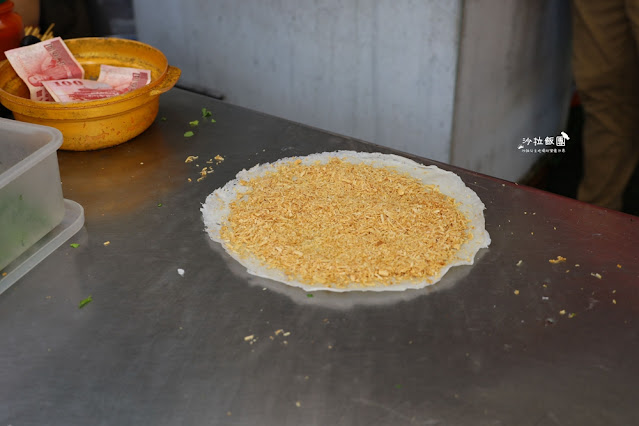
[31, 202]
[34, 217]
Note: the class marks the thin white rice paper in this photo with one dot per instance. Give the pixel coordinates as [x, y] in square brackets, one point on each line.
[216, 209]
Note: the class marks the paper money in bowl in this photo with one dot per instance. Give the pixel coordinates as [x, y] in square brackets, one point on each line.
[98, 123]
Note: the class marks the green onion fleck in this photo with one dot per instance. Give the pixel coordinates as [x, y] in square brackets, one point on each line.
[188, 134]
[213, 120]
[309, 295]
[74, 245]
[194, 123]
[159, 204]
[163, 119]
[206, 112]
[85, 302]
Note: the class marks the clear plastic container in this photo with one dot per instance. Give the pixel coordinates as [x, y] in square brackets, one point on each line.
[31, 202]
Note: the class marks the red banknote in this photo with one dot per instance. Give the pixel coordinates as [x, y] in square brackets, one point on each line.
[124, 79]
[79, 90]
[44, 61]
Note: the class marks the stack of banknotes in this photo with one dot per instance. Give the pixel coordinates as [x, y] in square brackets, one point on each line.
[53, 75]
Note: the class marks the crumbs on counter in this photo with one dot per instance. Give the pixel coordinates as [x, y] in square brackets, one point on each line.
[519, 263]
[191, 158]
[559, 259]
[596, 275]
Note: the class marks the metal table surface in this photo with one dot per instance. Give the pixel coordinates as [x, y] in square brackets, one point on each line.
[486, 346]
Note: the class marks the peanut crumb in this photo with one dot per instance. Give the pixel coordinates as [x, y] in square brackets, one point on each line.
[559, 259]
[596, 275]
[249, 337]
[340, 224]
[516, 292]
[562, 312]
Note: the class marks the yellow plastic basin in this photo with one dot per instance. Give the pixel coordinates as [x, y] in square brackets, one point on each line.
[101, 123]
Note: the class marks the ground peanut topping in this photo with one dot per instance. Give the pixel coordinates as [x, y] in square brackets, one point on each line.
[340, 223]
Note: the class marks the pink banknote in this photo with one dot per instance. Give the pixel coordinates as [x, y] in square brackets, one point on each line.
[78, 90]
[44, 61]
[124, 79]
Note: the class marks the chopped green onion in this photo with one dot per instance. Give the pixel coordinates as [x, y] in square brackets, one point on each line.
[74, 245]
[85, 302]
[188, 134]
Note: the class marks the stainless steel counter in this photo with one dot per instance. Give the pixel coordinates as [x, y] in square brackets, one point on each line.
[489, 345]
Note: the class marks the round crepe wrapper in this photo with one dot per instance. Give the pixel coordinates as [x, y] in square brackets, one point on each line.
[216, 210]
